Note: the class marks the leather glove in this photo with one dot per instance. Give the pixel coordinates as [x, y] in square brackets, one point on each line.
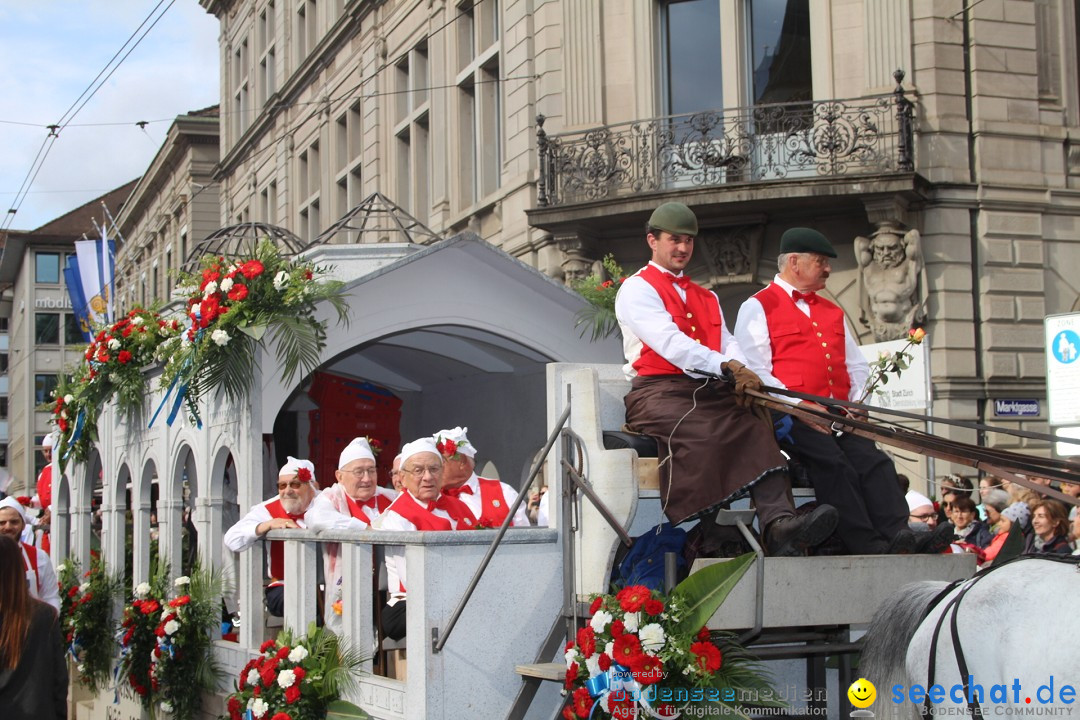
[745, 379]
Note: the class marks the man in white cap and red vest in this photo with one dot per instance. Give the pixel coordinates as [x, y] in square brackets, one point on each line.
[711, 447]
[286, 511]
[43, 496]
[40, 575]
[489, 500]
[420, 507]
[355, 502]
[797, 340]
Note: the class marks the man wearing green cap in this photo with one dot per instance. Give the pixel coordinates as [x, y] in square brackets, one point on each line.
[711, 447]
[795, 339]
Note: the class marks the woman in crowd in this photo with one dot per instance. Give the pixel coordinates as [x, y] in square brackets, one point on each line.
[969, 529]
[33, 674]
[1050, 529]
[1017, 514]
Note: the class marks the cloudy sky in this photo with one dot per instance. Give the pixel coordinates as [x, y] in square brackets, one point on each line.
[50, 51]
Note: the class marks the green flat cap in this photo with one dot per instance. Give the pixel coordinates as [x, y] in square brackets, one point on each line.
[805, 240]
[675, 218]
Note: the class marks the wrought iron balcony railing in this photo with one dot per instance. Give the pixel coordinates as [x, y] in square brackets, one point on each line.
[870, 135]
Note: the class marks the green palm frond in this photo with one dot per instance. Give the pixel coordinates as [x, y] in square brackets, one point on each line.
[300, 342]
[599, 321]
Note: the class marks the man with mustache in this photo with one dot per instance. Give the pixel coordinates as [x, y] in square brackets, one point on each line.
[421, 506]
[711, 446]
[795, 339]
[285, 511]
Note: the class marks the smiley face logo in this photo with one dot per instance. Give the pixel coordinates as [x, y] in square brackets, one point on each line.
[862, 693]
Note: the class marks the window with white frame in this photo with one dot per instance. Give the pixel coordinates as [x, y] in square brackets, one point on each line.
[309, 180]
[241, 109]
[411, 130]
[479, 100]
[267, 80]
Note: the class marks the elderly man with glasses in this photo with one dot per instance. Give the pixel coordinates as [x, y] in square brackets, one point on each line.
[489, 500]
[285, 511]
[422, 506]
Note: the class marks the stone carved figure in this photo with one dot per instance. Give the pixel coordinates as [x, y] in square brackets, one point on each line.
[892, 279]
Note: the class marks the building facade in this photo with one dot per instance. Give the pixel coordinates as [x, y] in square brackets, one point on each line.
[760, 114]
[44, 338]
[173, 207]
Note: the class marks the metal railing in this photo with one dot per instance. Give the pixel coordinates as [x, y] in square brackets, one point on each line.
[861, 136]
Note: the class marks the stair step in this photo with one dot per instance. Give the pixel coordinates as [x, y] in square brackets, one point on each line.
[543, 671]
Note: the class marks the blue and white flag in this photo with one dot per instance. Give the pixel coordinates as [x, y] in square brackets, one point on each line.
[93, 256]
[75, 292]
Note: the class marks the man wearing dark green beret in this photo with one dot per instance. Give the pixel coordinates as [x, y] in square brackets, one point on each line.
[711, 446]
[795, 339]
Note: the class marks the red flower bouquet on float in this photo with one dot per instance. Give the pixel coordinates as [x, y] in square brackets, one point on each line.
[182, 665]
[86, 620]
[111, 368]
[297, 678]
[599, 317]
[644, 654]
[138, 638]
[231, 304]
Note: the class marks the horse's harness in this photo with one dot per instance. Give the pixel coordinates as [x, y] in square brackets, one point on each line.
[954, 605]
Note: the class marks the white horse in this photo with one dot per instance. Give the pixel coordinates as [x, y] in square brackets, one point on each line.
[1017, 630]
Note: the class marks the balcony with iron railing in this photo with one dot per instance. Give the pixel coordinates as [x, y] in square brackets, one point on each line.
[750, 145]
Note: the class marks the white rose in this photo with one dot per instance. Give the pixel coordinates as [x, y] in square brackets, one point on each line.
[137, 320]
[142, 590]
[63, 414]
[166, 706]
[210, 289]
[298, 654]
[281, 280]
[84, 587]
[220, 337]
[571, 657]
[610, 649]
[253, 677]
[114, 343]
[181, 581]
[226, 285]
[69, 398]
[286, 679]
[171, 627]
[630, 621]
[652, 637]
[600, 621]
[61, 567]
[258, 707]
[593, 664]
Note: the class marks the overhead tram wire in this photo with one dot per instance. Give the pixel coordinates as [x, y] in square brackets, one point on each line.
[76, 107]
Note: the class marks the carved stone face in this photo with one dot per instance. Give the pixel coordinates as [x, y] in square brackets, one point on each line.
[888, 250]
[576, 270]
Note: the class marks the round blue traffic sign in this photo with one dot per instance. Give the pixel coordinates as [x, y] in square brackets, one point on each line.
[1066, 346]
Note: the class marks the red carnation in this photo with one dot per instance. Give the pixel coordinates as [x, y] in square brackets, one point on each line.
[252, 268]
[617, 629]
[703, 634]
[239, 292]
[268, 675]
[571, 675]
[303, 475]
[292, 694]
[627, 649]
[448, 448]
[73, 591]
[604, 662]
[596, 605]
[266, 646]
[300, 673]
[654, 607]
[568, 713]
[234, 707]
[708, 657]
[283, 652]
[582, 702]
[126, 332]
[180, 601]
[124, 357]
[631, 598]
[281, 716]
[586, 640]
[307, 275]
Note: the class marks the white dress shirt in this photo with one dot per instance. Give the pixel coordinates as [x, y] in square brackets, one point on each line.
[644, 320]
[43, 584]
[752, 332]
[242, 535]
[329, 510]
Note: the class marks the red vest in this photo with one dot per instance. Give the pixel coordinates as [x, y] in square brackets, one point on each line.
[808, 353]
[493, 505]
[377, 501]
[44, 486]
[698, 317]
[277, 549]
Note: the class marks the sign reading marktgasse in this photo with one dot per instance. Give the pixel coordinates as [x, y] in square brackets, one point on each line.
[1063, 368]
